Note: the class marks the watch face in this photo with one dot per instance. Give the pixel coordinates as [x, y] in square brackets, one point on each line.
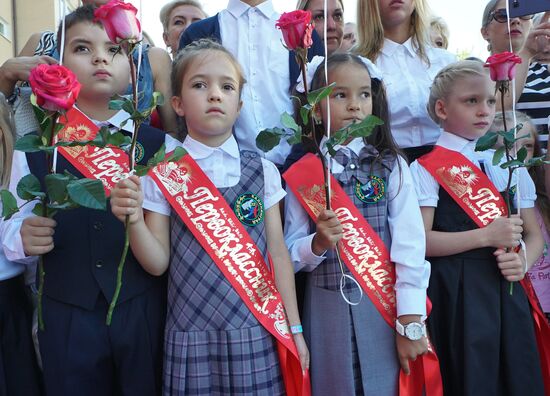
[413, 331]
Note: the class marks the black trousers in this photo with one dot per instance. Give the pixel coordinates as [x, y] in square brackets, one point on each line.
[19, 372]
[82, 356]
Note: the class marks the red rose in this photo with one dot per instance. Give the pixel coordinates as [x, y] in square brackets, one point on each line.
[294, 26]
[119, 20]
[308, 40]
[503, 66]
[56, 87]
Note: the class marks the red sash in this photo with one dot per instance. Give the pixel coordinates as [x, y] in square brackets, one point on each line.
[108, 164]
[482, 202]
[215, 226]
[366, 257]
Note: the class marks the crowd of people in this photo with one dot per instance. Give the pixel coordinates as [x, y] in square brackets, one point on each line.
[396, 270]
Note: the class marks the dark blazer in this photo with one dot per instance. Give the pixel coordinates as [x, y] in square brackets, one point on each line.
[88, 244]
[210, 28]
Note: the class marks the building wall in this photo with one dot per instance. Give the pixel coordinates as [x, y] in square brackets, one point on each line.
[32, 16]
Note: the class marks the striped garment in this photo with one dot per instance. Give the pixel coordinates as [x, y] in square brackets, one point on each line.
[535, 99]
[214, 345]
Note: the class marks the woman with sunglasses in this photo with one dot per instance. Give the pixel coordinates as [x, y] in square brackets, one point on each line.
[522, 35]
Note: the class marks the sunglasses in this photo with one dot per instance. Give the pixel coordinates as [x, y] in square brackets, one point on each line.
[501, 16]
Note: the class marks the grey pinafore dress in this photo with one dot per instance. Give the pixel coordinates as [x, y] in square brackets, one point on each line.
[352, 348]
[213, 343]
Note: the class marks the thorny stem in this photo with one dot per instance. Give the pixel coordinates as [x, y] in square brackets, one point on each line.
[131, 158]
[503, 89]
[45, 199]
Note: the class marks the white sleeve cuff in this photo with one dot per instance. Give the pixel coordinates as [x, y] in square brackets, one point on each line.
[411, 301]
[303, 257]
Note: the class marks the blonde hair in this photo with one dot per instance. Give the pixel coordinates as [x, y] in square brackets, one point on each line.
[167, 9]
[489, 8]
[521, 118]
[370, 30]
[439, 25]
[7, 139]
[445, 80]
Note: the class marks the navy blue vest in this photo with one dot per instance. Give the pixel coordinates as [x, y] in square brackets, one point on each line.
[88, 244]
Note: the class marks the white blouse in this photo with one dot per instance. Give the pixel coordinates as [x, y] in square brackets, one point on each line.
[222, 165]
[408, 79]
[427, 188]
[408, 244]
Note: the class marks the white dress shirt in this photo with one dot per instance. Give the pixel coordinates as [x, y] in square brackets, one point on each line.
[427, 188]
[408, 241]
[249, 33]
[10, 230]
[8, 269]
[407, 79]
[222, 165]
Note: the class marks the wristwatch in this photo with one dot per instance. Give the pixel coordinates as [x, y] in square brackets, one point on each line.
[413, 331]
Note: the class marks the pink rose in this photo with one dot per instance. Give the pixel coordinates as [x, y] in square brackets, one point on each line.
[308, 40]
[503, 66]
[56, 87]
[119, 20]
[294, 26]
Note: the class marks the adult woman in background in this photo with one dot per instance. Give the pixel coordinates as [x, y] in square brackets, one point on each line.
[395, 36]
[335, 20]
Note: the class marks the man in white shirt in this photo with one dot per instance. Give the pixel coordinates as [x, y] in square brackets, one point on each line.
[247, 29]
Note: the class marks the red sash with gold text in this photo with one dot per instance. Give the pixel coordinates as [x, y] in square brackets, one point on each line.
[108, 164]
[215, 226]
[366, 257]
[482, 202]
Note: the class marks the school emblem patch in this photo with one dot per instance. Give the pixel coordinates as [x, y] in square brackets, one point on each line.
[249, 209]
[139, 153]
[372, 191]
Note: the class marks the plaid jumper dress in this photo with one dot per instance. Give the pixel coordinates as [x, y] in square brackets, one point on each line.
[213, 343]
[352, 348]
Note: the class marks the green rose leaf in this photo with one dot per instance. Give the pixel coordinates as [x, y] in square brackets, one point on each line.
[177, 154]
[158, 157]
[305, 110]
[9, 204]
[522, 154]
[29, 188]
[296, 138]
[365, 127]
[88, 193]
[486, 141]
[497, 156]
[141, 170]
[118, 139]
[56, 186]
[29, 144]
[511, 163]
[269, 138]
[288, 121]
[128, 106]
[314, 97]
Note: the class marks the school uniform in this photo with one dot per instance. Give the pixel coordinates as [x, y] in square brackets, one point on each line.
[352, 348]
[80, 354]
[250, 34]
[214, 345]
[407, 79]
[482, 334]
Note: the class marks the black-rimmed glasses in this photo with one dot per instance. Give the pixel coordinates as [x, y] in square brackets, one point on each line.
[500, 15]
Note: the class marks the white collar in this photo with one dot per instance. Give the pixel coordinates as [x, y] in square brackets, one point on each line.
[456, 143]
[117, 121]
[390, 47]
[355, 145]
[199, 150]
[237, 8]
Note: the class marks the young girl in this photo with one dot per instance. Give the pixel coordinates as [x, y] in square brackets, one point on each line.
[19, 372]
[353, 348]
[214, 344]
[539, 274]
[483, 334]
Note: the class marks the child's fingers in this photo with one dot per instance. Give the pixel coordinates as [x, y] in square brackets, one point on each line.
[404, 362]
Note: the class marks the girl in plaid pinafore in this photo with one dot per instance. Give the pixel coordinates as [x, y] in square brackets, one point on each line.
[214, 345]
[353, 350]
